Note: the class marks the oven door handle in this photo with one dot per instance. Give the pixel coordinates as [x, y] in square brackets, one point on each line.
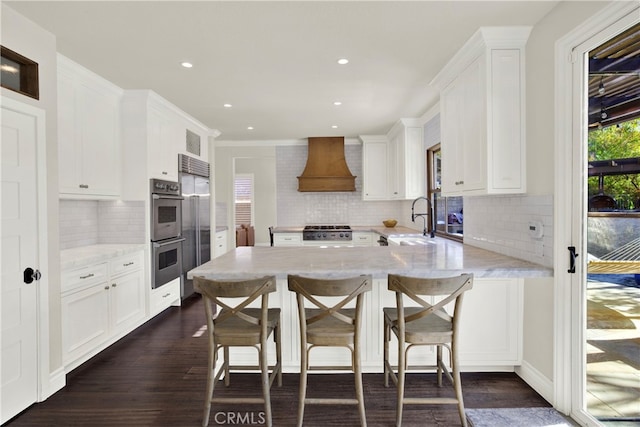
[169, 242]
[165, 196]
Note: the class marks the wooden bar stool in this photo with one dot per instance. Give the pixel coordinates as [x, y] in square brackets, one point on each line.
[425, 325]
[240, 326]
[330, 326]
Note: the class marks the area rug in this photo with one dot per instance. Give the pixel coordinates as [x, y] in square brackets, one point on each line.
[516, 417]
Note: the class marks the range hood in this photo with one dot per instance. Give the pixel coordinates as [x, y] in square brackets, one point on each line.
[326, 168]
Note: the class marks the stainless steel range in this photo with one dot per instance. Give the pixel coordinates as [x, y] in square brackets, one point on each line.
[327, 233]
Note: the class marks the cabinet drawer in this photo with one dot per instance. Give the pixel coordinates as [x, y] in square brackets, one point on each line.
[362, 239]
[125, 264]
[83, 276]
[164, 296]
[287, 239]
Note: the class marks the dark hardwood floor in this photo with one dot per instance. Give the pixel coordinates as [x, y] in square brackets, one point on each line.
[156, 376]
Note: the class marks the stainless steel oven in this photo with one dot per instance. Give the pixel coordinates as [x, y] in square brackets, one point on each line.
[167, 261]
[166, 231]
[166, 210]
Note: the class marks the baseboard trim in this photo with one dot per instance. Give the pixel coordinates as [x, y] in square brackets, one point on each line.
[57, 381]
[537, 381]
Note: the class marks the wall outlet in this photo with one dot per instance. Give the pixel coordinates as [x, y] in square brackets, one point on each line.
[536, 230]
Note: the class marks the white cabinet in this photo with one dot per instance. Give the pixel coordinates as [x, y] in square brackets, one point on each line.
[363, 238]
[407, 160]
[164, 135]
[220, 244]
[482, 113]
[287, 239]
[375, 164]
[89, 133]
[100, 303]
[154, 133]
[394, 164]
[164, 297]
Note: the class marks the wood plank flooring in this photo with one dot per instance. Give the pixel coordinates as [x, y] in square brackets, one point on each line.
[156, 376]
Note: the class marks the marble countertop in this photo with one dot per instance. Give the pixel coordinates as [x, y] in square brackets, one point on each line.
[85, 255]
[440, 257]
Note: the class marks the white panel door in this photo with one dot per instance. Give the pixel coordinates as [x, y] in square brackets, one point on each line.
[19, 251]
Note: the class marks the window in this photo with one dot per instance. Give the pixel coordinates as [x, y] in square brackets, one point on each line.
[447, 210]
[243, 196]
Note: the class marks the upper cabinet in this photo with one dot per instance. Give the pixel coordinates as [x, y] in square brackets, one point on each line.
[394, 164]
[482, 104]
[89, 133]
[154, 133]
[407, 160]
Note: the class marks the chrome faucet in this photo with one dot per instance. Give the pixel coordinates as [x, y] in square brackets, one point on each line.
[423, 215]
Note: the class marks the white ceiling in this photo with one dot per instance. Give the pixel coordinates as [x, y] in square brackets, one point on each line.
[275, 62]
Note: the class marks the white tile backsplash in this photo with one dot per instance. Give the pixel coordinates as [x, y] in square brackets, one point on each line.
[501, 224]
[91, 222]
[299, 209]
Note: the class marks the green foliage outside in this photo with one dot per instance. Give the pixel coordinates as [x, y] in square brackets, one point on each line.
[617, 142]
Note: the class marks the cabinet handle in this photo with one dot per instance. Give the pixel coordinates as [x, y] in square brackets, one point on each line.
[165, 173]
[127, 264]
[113, 285]
[87, 276]
[83, 186]
[106, 288]
[165, 295]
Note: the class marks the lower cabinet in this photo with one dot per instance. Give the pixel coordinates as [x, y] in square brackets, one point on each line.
[164, 296]
[490, 337]
[220, 245]
[102, 308]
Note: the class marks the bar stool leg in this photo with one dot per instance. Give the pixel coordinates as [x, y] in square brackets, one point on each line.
[303, 382]
[401, 371]
[457, 384]
[357, 371]
[277, 337]
[211, 363]
[227, 379]
[264, 369]
[385, 359]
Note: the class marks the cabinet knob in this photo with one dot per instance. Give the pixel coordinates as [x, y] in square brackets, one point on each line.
[113, 285]
[165, 173]
[83, 186]
[106, 288]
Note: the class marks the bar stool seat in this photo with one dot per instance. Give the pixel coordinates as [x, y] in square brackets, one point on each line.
[427, 324]
[240, 326]
[330, 325]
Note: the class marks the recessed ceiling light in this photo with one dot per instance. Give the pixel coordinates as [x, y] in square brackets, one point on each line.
[227, 105]
[334, 127]
[186, 64]
[343, 61]
[250, 127]
[337, 103]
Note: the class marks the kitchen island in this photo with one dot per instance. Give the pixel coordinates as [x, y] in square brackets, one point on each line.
[491, 332]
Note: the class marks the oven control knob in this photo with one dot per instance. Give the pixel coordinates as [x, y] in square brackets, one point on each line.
[173, 187]
[324, 235]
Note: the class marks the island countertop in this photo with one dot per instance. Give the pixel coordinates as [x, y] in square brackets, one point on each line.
[440, 257]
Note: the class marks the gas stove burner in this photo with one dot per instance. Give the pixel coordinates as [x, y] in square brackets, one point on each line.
[326, 232]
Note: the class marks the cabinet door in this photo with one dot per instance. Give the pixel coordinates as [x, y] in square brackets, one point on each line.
[452, 180]
[100, 160]
[491, 323]
[69, 151]
[376, 180]
[414, 161]
[85, 321]
[473, 128]
[395, 171]
[127, 299]
[163, 149]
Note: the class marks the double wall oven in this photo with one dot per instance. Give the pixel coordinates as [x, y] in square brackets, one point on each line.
[166, 231]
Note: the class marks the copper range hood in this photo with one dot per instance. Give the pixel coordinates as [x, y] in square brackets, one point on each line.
[326, 168]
